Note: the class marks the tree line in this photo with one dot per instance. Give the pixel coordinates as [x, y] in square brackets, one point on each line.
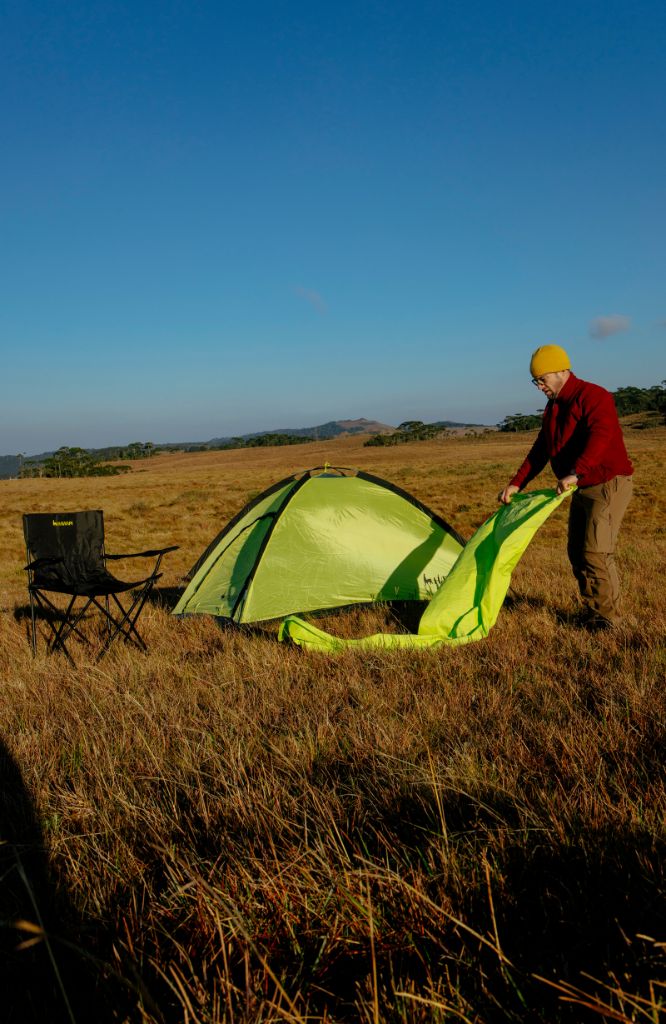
[409, 430]
[69, 462]
[263, 441]
[74, 462]
[628, 401]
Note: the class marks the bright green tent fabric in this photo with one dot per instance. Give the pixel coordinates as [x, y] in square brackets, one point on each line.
[320, 540]
[467, 604]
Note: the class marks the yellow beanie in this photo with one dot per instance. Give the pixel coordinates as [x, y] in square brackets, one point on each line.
[549, 359]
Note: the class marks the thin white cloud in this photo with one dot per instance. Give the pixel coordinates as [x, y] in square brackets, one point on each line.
[603, 326]
[314, 298]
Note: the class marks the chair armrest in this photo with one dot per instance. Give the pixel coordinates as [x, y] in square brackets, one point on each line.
[41, 563]
[145, 554]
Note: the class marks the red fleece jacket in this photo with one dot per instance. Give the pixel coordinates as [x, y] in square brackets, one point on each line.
[580, 434]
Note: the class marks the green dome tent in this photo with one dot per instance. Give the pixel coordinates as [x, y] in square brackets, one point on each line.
[321, 539]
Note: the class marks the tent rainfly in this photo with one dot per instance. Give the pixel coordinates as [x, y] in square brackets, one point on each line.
[321, 539]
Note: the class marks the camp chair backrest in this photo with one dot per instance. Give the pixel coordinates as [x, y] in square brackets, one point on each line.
[74, 539]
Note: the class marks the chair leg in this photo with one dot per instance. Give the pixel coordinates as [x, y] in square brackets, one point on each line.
[47, 607]
[61, 623]
[65, 622]
[134, 611]
[34, 625]
[69, 624]
[62, 632]
[126, 624]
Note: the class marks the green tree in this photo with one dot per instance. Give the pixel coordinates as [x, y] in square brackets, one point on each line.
[71, 462]
[520, 421]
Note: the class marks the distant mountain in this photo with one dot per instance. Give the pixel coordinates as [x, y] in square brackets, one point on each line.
[323, 432]
[9, 464]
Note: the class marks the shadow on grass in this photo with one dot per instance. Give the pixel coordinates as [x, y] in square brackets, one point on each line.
[516, 600]
[43, 976]
[406, 615]
[560, 902]
[165, 597]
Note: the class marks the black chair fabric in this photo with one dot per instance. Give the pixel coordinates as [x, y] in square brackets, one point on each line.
[66, 556]
[67, 553]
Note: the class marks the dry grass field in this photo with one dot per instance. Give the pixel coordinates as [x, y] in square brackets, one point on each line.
[228, 829]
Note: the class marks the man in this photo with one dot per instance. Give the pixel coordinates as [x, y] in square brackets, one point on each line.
[582, 439]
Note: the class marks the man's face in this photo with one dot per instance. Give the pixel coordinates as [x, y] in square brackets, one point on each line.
[550, 384]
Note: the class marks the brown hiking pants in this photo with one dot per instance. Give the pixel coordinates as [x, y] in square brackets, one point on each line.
[594, 523]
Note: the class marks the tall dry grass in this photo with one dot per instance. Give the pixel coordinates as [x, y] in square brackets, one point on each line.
[227, 829]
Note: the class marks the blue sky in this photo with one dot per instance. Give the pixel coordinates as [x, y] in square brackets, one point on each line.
[220, 217]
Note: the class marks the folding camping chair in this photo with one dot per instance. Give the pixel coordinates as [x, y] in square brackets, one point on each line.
[66, 555]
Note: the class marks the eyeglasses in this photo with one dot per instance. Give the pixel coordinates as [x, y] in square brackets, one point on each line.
[541, 381]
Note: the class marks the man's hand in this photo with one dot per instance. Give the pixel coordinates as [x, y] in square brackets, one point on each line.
[504, 497]
[566, 483]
